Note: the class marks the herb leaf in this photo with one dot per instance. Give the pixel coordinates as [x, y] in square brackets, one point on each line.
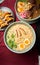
[12, 35]
[12, 44]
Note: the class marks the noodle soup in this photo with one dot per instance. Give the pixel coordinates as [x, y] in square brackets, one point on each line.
[19, 37]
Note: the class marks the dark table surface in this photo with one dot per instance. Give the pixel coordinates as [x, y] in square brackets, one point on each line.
[9, 58]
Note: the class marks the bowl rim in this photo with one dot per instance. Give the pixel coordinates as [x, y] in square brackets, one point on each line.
[1, 1]
[23, 18]
[31, 46]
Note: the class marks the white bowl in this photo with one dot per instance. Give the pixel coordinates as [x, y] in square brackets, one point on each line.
[1, 1]
[30, 21]
[33, 42]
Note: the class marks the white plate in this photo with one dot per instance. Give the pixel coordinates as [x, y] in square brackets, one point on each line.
[6, 9]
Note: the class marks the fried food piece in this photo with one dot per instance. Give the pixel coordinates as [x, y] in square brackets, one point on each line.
[8, 19]
[1, 13]
[28, 6]
[6, 13]
[3, 24]
[5, 18]
[1, 21]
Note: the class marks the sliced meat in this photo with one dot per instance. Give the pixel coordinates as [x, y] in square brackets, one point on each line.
[23, 30]
[28, 14]
[36, 12]
[17, 33]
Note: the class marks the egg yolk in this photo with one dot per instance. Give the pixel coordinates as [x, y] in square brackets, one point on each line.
[20, 9]
[27, 42]
[21, 46]
[20, 4]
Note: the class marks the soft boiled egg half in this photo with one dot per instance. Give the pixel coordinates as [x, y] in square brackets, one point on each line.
[27, 41]
[22, 46]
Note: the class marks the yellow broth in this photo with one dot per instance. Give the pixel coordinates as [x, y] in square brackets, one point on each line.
[19, 37]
